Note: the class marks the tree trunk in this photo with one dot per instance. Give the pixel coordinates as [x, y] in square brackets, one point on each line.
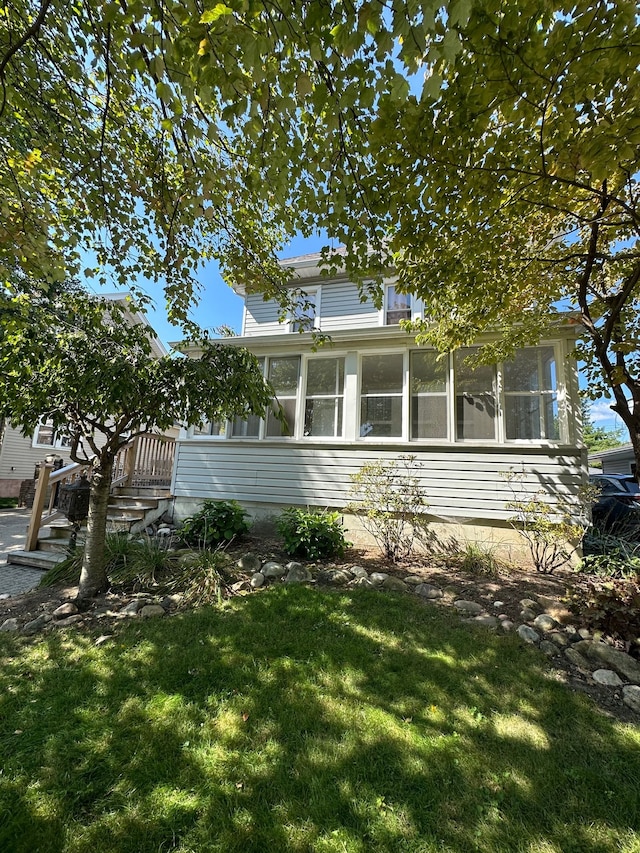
[93, 578]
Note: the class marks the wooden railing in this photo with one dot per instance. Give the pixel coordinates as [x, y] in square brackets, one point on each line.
[145, 461]
[41, 515]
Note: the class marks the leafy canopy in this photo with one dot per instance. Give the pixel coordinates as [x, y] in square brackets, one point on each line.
[87, 365]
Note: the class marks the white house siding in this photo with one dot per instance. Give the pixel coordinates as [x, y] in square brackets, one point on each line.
[460, 483]
[18, 460]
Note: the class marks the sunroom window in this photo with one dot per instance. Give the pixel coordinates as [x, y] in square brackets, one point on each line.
[398, 306]
[284, 373]
[381, 395]
[475, 398]
[428, 395]
[324, 401]
[247, 427]
[217, 429]
[530, 395]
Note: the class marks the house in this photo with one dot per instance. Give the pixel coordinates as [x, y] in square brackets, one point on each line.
[20, 454]
[372, 394]
[616, 460]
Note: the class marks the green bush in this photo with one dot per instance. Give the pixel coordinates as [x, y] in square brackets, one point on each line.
[215, 522]
[312, 534]
[612, 606]
[389, 501]
[609, 555]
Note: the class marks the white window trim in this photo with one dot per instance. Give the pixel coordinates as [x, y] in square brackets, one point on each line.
[404, 396]
[316, 292]
[447, 394]
[561, 398]
[304, 396]
[57, 439]
[382, 313]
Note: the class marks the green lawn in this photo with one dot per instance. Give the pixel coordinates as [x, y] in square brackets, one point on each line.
[297, 720]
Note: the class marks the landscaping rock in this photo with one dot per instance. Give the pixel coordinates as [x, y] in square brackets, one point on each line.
[298, 574]
[550, 649]
[378, 578]
[528, 634]
[470, 607]
[607, 677]
[561, 640]
[577, 659]
[527, 614]
[132, 608]
[273, 570]
[249, 563]
[584, 633]
[615, 659]
[169, 602]
[365, 582]
[152, 611]
[498, 605]
[66, 609]
[69, 620]
[336, 577]
[485, 620]
[36, 625]
[257, 580]
[530, 604]
[239, 586]
[631, 697]
[359, 572]
[9, 625]
[506, 625]
[413, 580]
[427, 590]
[544, 622]
[394, 584]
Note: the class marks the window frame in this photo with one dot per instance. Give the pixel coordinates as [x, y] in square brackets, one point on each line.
[540, 394]
[316, 293]
[403, 395]
[385, 305]
[57, 442]
[307, 360]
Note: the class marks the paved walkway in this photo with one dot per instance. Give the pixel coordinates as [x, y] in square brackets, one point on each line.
[13, 531]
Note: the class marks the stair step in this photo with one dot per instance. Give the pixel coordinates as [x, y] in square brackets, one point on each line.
[36, 559]
[143, 492]
[134, 503]
[125, 515]
[54, 546]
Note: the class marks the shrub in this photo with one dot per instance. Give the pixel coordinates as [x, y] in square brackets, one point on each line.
[311, 533]
[612, 606]
[390, 504]
[479, 559]
[548, 530]
[201, 579]
[215, 522]
[609, 555]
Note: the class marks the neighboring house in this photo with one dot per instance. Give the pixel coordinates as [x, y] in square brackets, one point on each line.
[19, 454]
[373, 394]
[616, 460]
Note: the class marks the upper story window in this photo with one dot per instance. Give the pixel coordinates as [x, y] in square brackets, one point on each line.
[397, 306]
[429, 399]
[382, 378]
[324, 402]
[530, 395]
[284, 375]
[304, 317]
[476, 400]
[46, 436]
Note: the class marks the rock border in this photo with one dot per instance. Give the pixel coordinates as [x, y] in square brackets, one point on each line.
[545, 622]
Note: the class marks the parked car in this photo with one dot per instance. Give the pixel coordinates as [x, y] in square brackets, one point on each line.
[616, 508]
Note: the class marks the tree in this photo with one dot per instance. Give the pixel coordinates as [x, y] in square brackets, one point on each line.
[86, 365]
[154, 135]
[597, 438]
[512, 183]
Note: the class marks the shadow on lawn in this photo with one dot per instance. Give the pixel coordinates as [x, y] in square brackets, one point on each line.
[302, 721]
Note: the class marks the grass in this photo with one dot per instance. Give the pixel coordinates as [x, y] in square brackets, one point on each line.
[8, 503]
[298, 720]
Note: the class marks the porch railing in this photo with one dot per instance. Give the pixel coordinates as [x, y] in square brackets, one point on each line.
[146, 461]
